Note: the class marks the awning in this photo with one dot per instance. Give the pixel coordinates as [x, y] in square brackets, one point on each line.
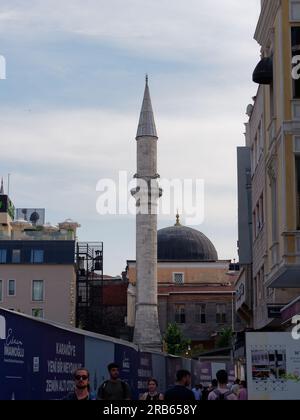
[287, 277]
[291, 310]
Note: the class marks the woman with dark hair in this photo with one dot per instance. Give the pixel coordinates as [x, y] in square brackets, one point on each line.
[152, 394]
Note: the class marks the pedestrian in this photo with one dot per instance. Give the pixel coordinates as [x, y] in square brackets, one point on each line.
[82, 386]
[114, 389]
[222, 392]
[243, 394]
[153, 394]
[180, 390]
[198, 391]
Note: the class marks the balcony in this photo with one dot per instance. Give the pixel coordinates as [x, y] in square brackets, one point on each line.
[286, 273]
[21, 230]
[36, 235]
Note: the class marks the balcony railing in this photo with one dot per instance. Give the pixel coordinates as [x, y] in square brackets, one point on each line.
[35, 235]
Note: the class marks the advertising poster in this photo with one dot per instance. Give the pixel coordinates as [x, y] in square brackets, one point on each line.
[126, 357]
[196, 372]
[273, 366]
[19, 340]
[37, 360]
[63, 353]
[98, 355]
[205, 373]
[144, 372]
[159, 370]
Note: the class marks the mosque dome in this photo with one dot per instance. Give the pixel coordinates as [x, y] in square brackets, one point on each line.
[181, 243]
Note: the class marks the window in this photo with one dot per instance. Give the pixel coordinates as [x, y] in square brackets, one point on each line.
[261, 210]
[258, 217]
[297, 144]
[200, 317]
[178, 278]
[180, 314]
[221, 314]
[37, 290]
[16, 256]
[3, 256]
[37, 256]
[296, 51]
[11, 287]
[294, 10]
[1, 290]
[38, 313]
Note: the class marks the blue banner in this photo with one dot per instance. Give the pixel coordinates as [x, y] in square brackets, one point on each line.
[37, 361]
[126, 358]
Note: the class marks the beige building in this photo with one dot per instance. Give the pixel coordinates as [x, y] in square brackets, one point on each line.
[37, 271]
[273, 144]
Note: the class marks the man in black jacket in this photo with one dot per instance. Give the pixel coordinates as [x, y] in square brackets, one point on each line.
[180, 391]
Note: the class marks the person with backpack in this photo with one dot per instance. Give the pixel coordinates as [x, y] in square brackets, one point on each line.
[114, 389]
[152, 394]
[222, 392]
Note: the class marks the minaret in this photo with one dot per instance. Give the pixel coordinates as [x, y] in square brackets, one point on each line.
[147, 333]
[2, 187]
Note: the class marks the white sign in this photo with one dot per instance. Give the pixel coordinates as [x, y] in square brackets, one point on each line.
[273, 366]
[36, 364]
[2, 328]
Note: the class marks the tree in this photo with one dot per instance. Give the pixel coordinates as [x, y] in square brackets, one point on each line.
[225, 338]
[175, 343]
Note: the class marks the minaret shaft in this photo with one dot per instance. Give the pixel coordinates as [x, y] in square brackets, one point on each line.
[147, 333]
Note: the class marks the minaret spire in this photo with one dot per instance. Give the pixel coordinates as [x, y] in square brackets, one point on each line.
[2, 187]
[147, 333]
[147, 126]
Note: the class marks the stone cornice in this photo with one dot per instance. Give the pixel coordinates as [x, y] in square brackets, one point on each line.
[266, 21]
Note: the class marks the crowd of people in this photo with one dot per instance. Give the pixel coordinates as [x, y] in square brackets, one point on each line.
[115, 389]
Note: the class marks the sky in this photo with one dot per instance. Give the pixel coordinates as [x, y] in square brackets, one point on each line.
[70, 105]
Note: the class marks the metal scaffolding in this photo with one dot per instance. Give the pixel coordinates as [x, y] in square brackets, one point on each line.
[89, 269]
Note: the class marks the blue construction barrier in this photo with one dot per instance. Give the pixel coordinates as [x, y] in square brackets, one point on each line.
[38, 358]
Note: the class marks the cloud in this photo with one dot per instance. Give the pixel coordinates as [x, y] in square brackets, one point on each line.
[187, 30]
[74, 91]
[57, 157]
